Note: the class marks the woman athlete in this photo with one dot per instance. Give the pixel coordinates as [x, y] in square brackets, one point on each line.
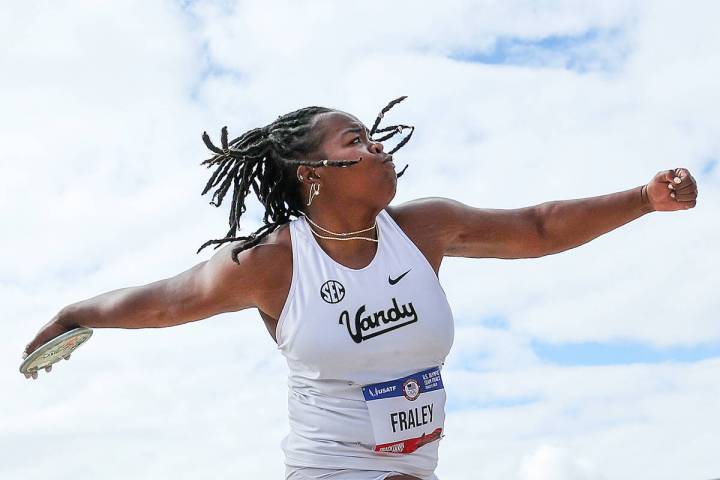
[349, 289]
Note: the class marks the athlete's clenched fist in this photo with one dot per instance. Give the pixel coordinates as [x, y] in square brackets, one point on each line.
[672, 190]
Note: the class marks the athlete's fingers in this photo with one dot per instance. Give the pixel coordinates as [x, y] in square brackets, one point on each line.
[685, 196]
[48, 368]
[34, 375]
[671, 176]
[686, 179]
[684, 185]
[686, 188]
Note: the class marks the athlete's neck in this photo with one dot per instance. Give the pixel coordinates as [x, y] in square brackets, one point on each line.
[341, 220]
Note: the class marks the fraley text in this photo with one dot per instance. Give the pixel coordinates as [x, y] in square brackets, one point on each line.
[415, 417]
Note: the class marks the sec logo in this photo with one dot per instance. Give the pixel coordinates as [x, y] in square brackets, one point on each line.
[332, 291]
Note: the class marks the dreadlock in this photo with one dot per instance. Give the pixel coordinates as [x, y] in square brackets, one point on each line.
[264, 159]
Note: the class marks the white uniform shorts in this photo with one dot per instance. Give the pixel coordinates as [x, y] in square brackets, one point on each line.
[311, 473]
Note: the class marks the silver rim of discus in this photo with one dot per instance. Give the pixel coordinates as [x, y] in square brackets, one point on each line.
[55, 350]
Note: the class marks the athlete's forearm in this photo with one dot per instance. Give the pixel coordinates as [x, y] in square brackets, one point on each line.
[567, 224]
[130, 307]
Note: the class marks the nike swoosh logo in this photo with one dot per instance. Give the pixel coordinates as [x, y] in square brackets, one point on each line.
[393, 282]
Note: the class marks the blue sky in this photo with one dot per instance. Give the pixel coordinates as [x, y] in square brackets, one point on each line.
[614, 352]
[590, 364]
[575, 51]
[609, 353]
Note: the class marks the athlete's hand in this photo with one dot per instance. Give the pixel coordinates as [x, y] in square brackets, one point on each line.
[49, 331]
[671, 190]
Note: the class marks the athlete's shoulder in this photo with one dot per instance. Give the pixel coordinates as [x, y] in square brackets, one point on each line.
[267, 263]
[274, 251]
[422, 222]
[421, 218]
[420, 210]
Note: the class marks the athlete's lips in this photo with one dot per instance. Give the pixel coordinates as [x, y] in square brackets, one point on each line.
[389, 158]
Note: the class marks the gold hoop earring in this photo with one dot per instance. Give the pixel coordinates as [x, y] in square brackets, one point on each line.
[314, 192]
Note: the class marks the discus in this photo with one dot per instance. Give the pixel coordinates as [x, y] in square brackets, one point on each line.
[54, 350]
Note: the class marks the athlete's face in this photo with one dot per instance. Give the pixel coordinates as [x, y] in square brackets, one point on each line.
[369, 182]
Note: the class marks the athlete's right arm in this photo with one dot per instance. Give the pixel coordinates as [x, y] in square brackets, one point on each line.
[211, 287]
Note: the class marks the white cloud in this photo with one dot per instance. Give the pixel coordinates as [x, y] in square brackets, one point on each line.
[586, 422]
[550, 462]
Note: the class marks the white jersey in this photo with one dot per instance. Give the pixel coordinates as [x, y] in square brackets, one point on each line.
[365, 349]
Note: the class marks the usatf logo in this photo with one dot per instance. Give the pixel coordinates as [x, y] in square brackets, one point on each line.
[332, 291]
[411, 389]
[375, 391]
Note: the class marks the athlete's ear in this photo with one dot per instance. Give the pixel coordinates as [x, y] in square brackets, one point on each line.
[304, 174]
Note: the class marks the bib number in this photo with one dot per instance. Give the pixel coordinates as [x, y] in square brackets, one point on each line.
[408, 412]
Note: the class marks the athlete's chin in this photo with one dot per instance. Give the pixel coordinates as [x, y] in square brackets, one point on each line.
[385, 186]
[392, 174]
[383, 195]
[392, 193]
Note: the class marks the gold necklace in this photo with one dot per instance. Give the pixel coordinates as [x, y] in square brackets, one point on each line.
[343, 234]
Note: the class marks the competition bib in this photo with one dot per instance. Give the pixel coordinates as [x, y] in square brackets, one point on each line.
[408, 412]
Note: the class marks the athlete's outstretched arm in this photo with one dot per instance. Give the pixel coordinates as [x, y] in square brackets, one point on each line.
[570, 223]
[211, 287]
[550, 227]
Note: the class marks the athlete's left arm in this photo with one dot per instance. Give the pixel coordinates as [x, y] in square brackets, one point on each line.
[554, 226]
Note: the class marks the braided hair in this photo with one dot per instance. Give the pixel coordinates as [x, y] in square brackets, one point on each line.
[265, 159]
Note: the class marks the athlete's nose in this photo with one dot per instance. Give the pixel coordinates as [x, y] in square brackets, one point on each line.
[378, 146]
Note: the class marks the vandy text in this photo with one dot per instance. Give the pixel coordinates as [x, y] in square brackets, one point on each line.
[370, 325]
